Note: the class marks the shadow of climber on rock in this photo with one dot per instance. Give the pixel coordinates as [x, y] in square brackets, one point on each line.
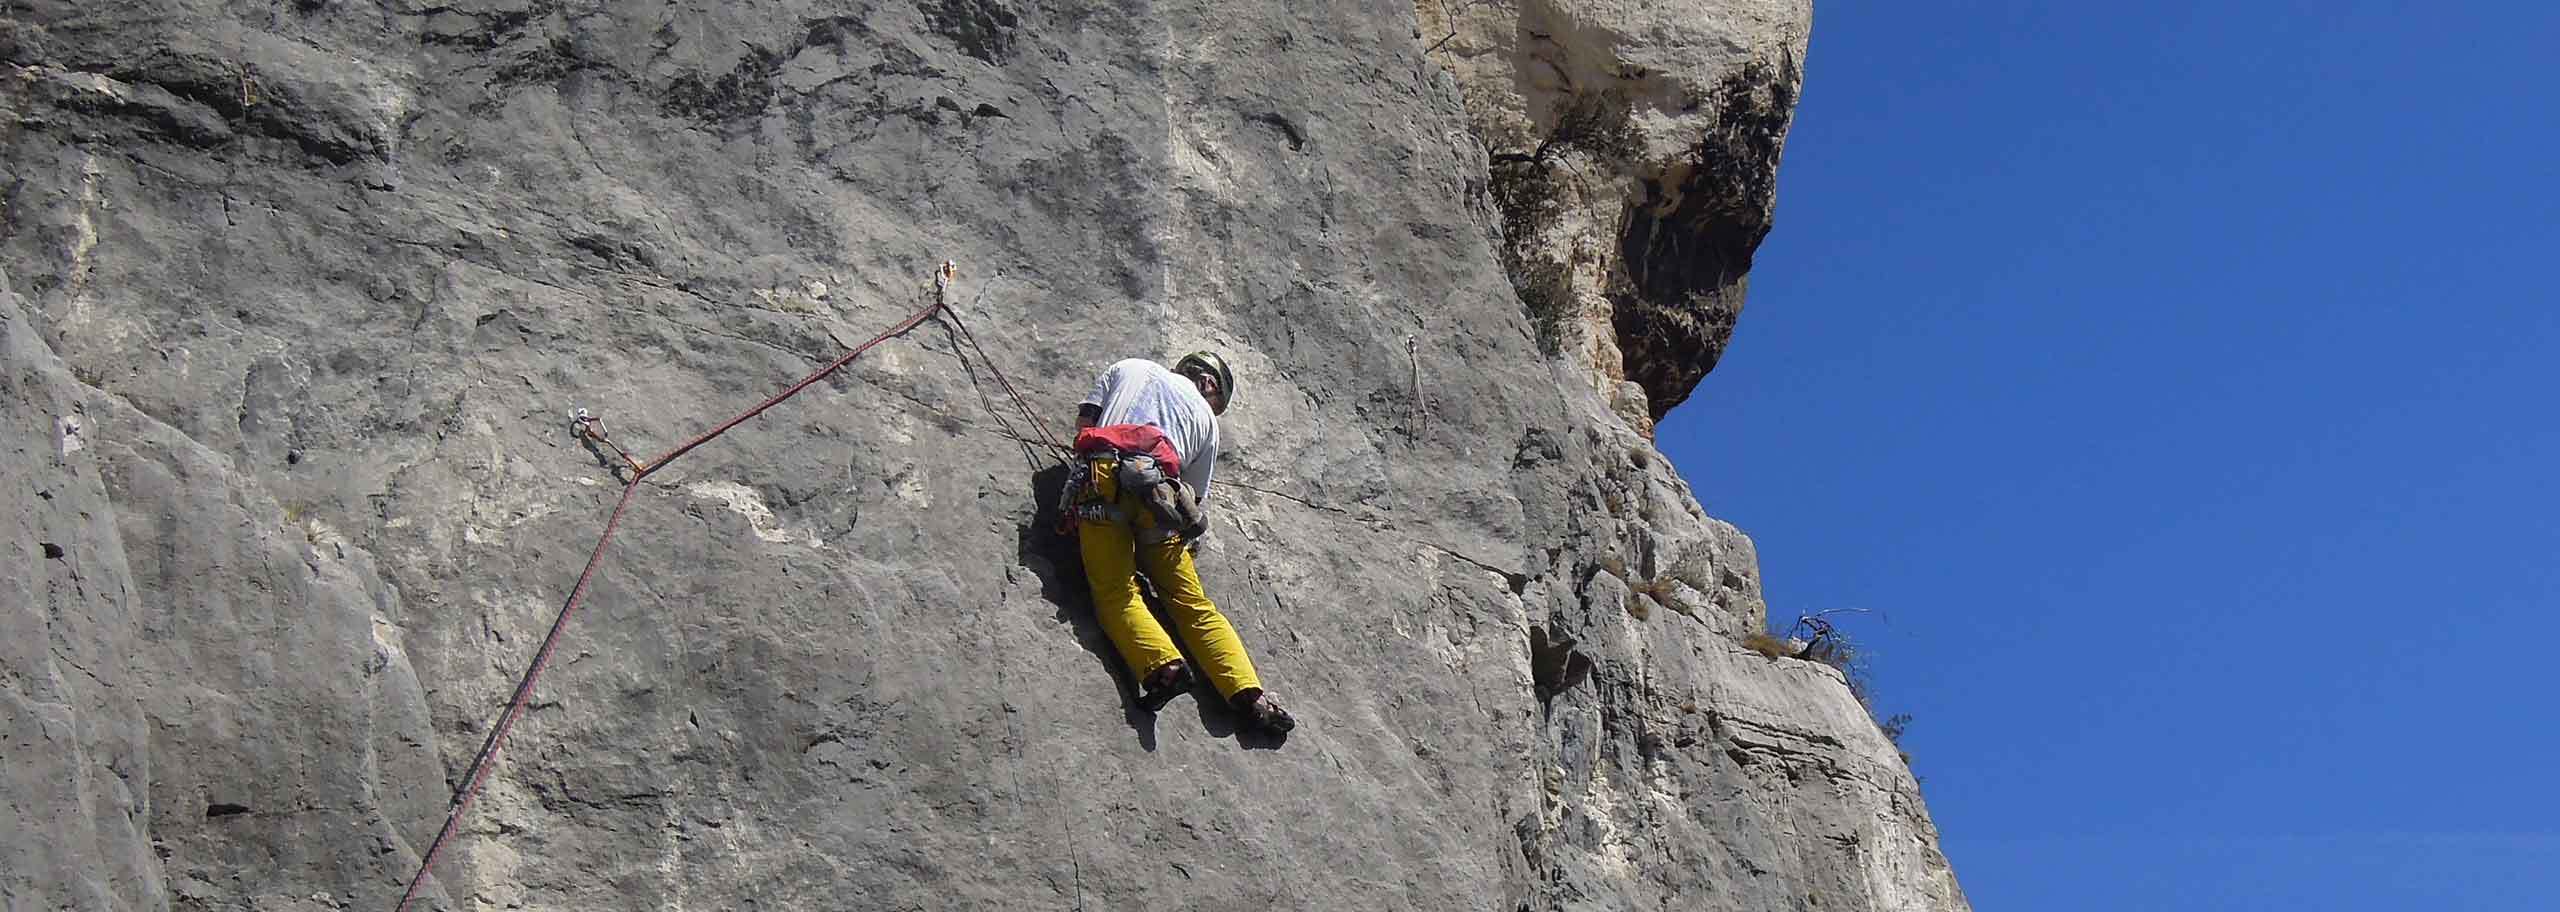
[1050, 554]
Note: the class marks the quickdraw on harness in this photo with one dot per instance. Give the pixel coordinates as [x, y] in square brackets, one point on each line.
[1072, 506]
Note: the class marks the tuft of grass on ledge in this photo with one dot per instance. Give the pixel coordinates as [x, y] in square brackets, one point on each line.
[1763, 643]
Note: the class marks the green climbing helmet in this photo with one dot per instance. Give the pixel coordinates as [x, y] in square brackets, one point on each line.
[1215, 367]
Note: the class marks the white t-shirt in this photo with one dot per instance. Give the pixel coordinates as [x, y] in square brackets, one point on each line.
[1139, 391]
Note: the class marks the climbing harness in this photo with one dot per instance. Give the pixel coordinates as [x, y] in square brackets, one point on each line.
[590, 430]
[1142, 466]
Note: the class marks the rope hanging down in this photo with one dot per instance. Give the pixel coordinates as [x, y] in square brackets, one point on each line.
[1022, 406]
[589, 429]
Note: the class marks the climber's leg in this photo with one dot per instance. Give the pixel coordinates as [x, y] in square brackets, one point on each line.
[1110, 567]
[1212, 640]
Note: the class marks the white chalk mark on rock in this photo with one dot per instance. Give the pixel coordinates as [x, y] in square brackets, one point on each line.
[743, 501]
[67, 428]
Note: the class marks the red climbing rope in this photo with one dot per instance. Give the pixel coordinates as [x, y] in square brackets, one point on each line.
[585, 428]
[942, 276]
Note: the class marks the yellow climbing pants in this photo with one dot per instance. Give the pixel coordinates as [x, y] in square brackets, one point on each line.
[1114, 555]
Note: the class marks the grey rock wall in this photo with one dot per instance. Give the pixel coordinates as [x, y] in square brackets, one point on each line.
[295, 300]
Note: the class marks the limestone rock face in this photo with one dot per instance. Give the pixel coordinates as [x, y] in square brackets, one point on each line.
[1634, 152]
[296, 300]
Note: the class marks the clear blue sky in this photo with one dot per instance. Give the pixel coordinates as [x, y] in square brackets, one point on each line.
[2178, 380]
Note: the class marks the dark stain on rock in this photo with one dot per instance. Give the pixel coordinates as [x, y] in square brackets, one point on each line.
[981, 28]
[1690, 235]
[1524, 186]
[742, 94]
[831, 31]
[616, 254]
[220, 809]
[553, 61]
[1288, 129]
[203, 101]
[1554, 663]
[487, 30]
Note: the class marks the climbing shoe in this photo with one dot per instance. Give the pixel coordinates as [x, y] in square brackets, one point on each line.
[1169, 680]
[1264, 713]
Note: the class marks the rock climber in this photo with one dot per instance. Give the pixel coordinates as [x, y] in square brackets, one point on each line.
[1146, 440]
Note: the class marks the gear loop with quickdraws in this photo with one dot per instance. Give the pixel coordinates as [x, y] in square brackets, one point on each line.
[1133, 477]
[1177, 513]
[1072, 506]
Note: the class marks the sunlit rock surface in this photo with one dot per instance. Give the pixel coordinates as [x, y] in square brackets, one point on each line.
[296, 300]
